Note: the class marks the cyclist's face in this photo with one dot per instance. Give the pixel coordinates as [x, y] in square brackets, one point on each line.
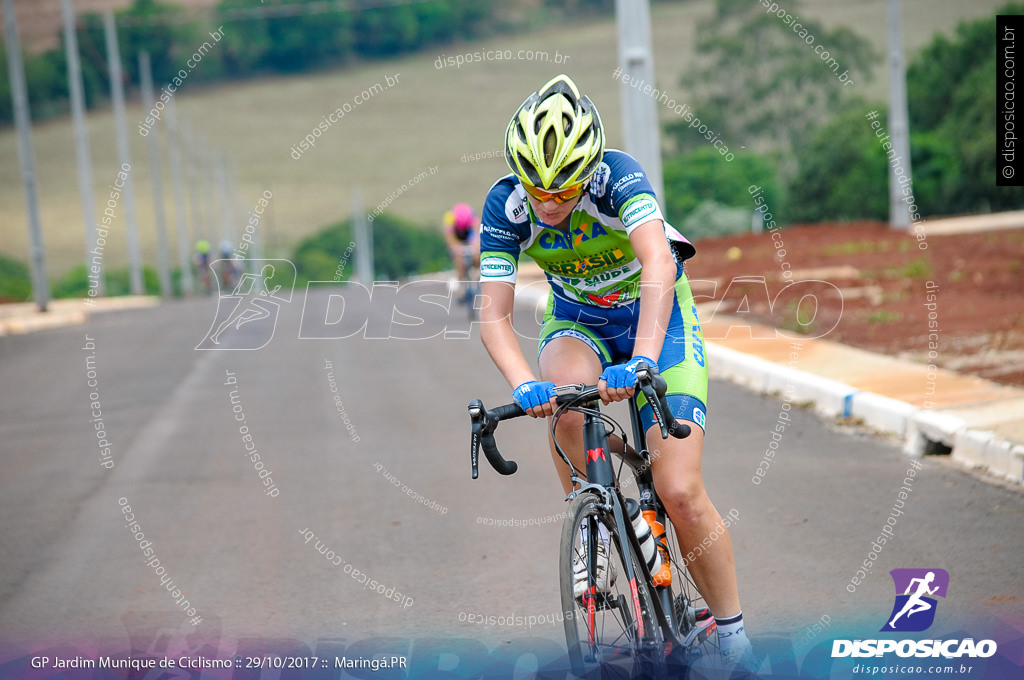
[551, 212]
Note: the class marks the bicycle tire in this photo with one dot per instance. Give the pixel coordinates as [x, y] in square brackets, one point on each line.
[602, 633]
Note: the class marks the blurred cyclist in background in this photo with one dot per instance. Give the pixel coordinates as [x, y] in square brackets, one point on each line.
[462, 234]
[227, 265]
[203, 265]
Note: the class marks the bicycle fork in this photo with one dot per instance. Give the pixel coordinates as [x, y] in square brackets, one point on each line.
[600, 473]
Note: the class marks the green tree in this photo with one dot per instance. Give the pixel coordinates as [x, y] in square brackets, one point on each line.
[283, 38]
[400, 249]
[304, 42]
[842, 172]
[935, 73]
[75, 283]
[951, 93]
[46, 76]
[759, 80]
[160, 29]
[386, 30]
[702, 175]
[15, 281]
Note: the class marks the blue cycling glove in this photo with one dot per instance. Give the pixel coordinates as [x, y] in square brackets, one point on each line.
[624, 375]
[533, 393]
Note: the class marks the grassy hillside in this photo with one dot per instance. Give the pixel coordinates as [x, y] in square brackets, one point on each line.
[430, 119]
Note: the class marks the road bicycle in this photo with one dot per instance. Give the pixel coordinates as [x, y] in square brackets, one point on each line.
[472, 284]
[625, 623]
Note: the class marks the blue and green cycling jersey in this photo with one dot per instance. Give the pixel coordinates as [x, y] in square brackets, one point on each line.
[595, 275]
[593, 262]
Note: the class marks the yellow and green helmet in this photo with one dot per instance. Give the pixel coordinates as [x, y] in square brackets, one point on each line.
[555, 140]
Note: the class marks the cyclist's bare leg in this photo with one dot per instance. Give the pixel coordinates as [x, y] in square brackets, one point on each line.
[459, 258]
[676, 467]
[565, 361]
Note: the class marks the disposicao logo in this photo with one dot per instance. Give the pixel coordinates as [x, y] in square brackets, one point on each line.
[914, 611]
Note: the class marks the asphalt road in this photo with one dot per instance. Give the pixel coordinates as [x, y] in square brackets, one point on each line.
[379, 476]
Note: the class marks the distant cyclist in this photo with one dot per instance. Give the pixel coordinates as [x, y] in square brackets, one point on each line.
[588, 216]
[227, 265]
[202, 258]
[462, 234]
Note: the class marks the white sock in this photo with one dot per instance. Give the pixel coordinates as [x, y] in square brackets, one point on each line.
[731, 633]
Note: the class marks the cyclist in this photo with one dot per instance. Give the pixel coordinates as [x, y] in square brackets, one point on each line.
[227, 265]
[461, 232]
[588, 216]
[203, 264]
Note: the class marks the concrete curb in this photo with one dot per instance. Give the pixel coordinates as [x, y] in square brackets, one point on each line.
[19, 325]
[922, 430]
[21, 318]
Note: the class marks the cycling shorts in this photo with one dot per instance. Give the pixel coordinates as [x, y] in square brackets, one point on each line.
[611, 333]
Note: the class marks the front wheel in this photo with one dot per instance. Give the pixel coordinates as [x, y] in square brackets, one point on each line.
[611, 629]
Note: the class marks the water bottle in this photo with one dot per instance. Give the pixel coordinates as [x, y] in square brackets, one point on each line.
[663, 577]
[648, 545]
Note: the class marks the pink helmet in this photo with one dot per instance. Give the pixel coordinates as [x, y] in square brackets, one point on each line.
[463, 217]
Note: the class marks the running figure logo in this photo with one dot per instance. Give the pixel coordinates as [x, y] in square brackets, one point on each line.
[253, 304]
[914, 610]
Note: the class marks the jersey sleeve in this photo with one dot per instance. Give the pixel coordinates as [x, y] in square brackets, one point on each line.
[630, 194]
[503, 228]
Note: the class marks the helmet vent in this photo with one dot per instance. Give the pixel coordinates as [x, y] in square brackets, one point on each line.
[550, 146]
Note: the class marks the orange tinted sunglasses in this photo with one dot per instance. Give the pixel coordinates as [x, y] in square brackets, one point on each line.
[557, 196]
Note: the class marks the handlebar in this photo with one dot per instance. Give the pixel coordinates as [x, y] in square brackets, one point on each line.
[485, 421]
[653, 386]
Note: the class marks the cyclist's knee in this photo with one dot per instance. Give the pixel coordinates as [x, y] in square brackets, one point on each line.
[686, 501]
[570, 424]
[566, 361]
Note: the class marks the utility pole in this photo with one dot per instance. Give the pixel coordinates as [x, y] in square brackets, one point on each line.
[362, 233]
[163, 258]
[194, 176]
[27, 154]
[131, 224]
[174, 150]
[82, 146]
[641, 133]
[899, 129]
[226, 213]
